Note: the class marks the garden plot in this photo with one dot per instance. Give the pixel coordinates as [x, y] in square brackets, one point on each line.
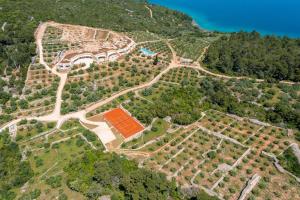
[182, 76]
[241, 130]
[81, 69]
[36, 135]
[53, 46]
[158, 128]
[152, 93]
[191, 47]
[194, 157]
[271, 140]
[37, 95]
[181, 105]
[223, 165]
[48, 167]
[216, 121]
[169, 139]
[12, 79]
[166, 148]
[40, 90]
[137, 107]
[244, 89]
[273, 184]
[290, 92]
[195, 150]
[142, 36]
[271, 95]
[31, 129]
[217, 163]
[140, 104]
[38, 75]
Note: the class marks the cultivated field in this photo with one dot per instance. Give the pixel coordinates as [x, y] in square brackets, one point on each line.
[220, 153]
[102, 80]
[168, 117]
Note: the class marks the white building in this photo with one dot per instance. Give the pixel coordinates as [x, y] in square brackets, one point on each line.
[74, 58]
[185, 61]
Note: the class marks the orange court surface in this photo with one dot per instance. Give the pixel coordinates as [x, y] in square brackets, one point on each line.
[123, 122]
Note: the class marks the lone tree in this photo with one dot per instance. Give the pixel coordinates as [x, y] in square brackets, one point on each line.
[155, 62]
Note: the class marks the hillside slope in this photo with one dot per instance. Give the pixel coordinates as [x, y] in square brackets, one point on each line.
[250, 54]
[19, 19]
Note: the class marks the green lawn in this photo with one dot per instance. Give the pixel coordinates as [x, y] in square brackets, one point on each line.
[50, 161]
[289, 161]
[29, 129]
[159, 128]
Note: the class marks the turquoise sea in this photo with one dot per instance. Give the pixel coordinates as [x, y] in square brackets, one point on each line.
[277, 17]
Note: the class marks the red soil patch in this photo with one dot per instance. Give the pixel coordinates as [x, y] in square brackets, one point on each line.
[123, 122]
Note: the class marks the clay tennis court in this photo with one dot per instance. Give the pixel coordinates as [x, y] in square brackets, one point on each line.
[123, 122]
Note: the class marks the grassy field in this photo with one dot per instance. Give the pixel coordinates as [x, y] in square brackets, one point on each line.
[49, 154]
[159, 128]
[290, 162]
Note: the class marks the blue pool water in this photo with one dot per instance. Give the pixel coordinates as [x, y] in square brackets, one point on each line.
[147, 52]
[278, 17]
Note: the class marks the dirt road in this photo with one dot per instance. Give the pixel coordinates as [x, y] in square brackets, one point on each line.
[56, 116]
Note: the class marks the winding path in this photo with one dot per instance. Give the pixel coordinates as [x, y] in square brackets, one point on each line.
[150, 11]
[63, 76]
[197, 65]
[56, 116]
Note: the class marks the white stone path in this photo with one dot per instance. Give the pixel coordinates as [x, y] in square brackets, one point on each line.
[55, 116]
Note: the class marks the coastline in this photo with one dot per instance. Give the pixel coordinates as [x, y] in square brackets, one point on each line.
[213, 15]
[195, 23]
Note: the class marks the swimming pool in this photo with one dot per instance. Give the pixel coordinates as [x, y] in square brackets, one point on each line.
[147, 52]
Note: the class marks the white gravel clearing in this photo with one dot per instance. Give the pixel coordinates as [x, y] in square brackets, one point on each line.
[104, 133]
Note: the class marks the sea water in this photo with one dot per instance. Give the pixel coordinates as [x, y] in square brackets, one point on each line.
[275, 17]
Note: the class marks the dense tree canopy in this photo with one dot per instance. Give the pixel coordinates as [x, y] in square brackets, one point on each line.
[97, 174]
[250, 54]
[180, 103]
[219, 98]
[13, 171]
